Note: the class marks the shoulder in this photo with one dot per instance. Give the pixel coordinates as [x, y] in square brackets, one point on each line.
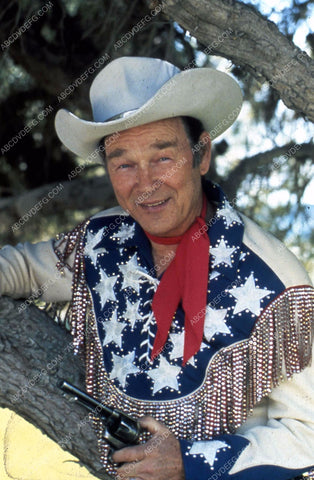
[111, 212]
[273, 252]
[114, 227]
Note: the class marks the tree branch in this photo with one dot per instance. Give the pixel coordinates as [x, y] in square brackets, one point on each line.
[78, 194]
[264, 164]
[36, 354]
[240, 33]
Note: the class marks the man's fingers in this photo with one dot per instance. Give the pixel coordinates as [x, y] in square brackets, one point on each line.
[158, 458]
[129, 454]
[127, 470]
[129, 461]
[137, 452]
[151, 425]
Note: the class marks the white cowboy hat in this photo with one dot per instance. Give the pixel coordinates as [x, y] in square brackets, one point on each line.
[133, 91]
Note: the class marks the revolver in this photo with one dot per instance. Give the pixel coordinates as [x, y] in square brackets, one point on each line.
[120, 431]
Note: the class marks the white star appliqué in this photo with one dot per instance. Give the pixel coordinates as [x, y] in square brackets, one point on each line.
[242, 256]
[208, 449]
[248, 296]
[164, 376]
[131, 272]
[122, 367]
[124, 233]
[213, 274]
[113, 330]
[132, 312]
[178, 346]
[92, 241]
[229, 214]
[105, 288]
[222, 253]
[215, 322]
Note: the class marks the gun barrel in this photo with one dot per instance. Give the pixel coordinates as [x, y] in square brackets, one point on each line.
[86, 400]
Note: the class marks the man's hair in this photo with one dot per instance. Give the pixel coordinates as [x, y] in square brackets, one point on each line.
[193, 129]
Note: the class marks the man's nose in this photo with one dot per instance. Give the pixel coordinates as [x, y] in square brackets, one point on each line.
[146, 178]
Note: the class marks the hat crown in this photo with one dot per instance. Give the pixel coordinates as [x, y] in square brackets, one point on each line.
[126, 84]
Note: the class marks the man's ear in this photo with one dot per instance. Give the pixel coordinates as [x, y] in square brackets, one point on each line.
[205, 152]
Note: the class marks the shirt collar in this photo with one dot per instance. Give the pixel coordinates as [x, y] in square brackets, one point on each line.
[225, 230]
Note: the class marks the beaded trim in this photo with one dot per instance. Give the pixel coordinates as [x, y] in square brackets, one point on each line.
[81, 302]
[238, 376]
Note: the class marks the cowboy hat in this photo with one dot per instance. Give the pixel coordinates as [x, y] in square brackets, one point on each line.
[133, 91]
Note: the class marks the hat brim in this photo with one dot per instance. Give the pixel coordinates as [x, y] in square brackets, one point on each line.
[209, 95]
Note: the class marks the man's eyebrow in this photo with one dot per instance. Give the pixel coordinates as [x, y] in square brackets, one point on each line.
[118, 152]
[161, 144]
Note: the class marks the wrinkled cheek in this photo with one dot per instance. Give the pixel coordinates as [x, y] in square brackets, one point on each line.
[121, 199]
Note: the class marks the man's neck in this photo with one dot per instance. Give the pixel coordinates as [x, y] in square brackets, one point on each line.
[164, 254]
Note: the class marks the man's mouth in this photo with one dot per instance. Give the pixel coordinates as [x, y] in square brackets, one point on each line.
[158, 203]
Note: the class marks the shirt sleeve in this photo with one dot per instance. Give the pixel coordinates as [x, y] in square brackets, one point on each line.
[30, 270]
[278, 444]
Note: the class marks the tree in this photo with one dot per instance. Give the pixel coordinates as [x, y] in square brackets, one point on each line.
[46, 68]
[36, 353]
[47, 49]
[238, 32]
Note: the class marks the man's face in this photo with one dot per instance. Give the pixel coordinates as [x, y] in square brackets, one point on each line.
[152, 174]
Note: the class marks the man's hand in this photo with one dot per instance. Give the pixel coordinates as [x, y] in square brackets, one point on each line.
[158, 459]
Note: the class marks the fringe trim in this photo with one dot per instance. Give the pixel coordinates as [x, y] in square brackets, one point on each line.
[280, 345]
[81, 302]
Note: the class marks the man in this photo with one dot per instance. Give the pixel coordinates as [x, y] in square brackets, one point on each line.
[190, 317]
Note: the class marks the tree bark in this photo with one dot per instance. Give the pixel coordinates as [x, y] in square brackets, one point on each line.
[240, 33]
[36, 353]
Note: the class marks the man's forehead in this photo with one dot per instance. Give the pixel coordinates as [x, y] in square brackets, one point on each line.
[159, 134]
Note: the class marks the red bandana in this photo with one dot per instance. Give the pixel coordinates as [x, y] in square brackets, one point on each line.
[185, 280]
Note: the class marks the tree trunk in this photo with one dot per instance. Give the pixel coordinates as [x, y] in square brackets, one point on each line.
[240, 33]
[36, 353]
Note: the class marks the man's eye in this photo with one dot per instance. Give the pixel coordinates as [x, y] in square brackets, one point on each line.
[164, 159]
[124, 166]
